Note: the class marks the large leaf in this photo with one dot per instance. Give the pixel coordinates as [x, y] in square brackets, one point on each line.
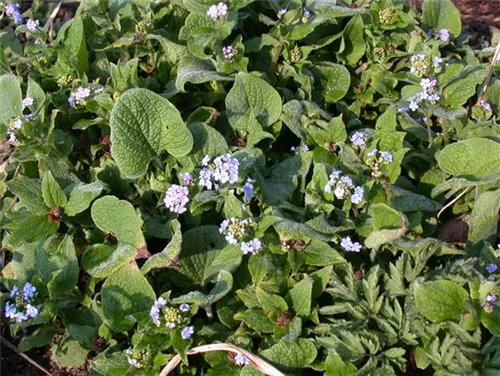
[10, 97]
[461, 89]
[473, 159]
[252, 94]
[205, 253]
[142, 125]
[29, 192]
[198, 71]
[483, 223]
[442, 14]
[353, 38]
[118, 217]
[333, 81]
[69, 353]
[126, 296]
[102, 260]
[440, 300]
[291, 355]
[300, 296]
[74, 50]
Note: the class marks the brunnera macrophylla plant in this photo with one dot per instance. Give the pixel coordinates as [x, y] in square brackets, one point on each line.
[314, 181]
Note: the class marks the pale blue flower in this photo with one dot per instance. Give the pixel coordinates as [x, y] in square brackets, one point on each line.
[444, 35]
[187, 332]
[359, 139]
[32, 24]
[248, 189]
[184, 307]
[229, 52]
[491, 298]
[253, 246]
[349, 246]
[357, 196]
[241, 360]
[491, 268]
[176, 198]
[28, 291]
[14, 292]
[14, 11]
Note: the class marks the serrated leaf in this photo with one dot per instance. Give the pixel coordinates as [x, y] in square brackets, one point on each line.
[80, 196]
[291, 355]
[300, 296]
[29, 192]
[205, 253]
[118, 217]
[52, 194]
[223, 285]
[473, 159]
[102, 260]
[142, 125]
[441, 300]
[125, 296]
[252, 94]
[170, 252]
[442, 14]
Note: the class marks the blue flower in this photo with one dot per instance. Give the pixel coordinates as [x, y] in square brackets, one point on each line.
[349, 245]
[359, 139]
[10, 311]
[187, 332]
[241, 360]
[184, 307]
[28, 291]
[357, 196]
[32, 24]
[248, 191]
[176, 198]
[491, 268]
[14, 292]
[14, 11]
[491, 298]
[253, 246]
[444, 35]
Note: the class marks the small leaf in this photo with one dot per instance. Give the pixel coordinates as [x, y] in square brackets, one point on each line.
[118, 217]
[165, 258]
[29, 192]
[300, 296]
[81, 196]
[441, 300]
[53, 195]
[102, 260]
[291, 355]
[126, 295]
[10, 97]
[142, 125]
[223, 285]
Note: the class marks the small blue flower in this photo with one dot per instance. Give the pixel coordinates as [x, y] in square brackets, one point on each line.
[14, 292]
[14, 11]
[184, 307]
[241, 360]
[248, 191]
[359, 139]
[186, 177]
[32, 24]
[176, 198]
[187, 332]
[357, 196]
[491, 268]
[491, 298]
[349, 245]
[253, 246]
[28, 291]
[10, 310]
[444, 35]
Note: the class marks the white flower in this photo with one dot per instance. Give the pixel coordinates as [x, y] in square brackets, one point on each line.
[187, 332]
[32, 24]
[349, 246]
[241, 360]
[253, 246]
[28, 101]
[357, 196]
[444, 35]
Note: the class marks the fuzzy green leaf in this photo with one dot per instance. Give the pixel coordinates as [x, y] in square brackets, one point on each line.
[291, 355]
[300, 296]
[29, 192]
[441, 300]
[102, 260]
[483, 223]
[143, 124]
[53, 195]
[223, 285]
[81, 196]
[442, 14]
[170, 252]
[10, 97]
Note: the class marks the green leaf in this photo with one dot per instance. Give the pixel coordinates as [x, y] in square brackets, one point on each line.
[491, 321]
[102, 260]
[353, 38]
[385, 217]
[271, 303]
[74, 50]
[328, 133]
[377, 238]
[57, 256]
[207, 141]
[300, 296]
[333, 81]
[205, 253]
[69, 353]
[291, 355]
[473, 159]
[319, 253]
[40, 337]
[461, 89]
[82, 324]
[252, 94]
[442, 14]
[335, 366]
[256, 319]
[118, 217]
[407, 201]
[483, 223]
[197, 71]
[29, 192]
[223, 285]
[11, 97]
[22, 266]
[165, 258]
[53, 195]
[387, 121]
[441, 300]
[142, 125]
[81, 196]
[31, 229]
[126, 296]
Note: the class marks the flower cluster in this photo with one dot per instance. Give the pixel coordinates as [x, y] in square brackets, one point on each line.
[137, 359]
[419, 65]
[14, 124]
[170, 317]
[14, 11]
[482, 110]
[229, 52]
[32, 24]
[22, 308]
[187, 179]
[491, 299]
[343, 187]
[236, 229]
[385, 15]
[295, 54]
[224, 169]
[349, 246]
[218, 11]
[176, 198]
[376, 159]
[81, 94]
[428, 93]
[359, 138]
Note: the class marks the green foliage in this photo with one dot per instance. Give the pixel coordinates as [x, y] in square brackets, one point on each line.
[316, 182]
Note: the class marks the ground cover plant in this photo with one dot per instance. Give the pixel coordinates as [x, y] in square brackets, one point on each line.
[314, 181]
